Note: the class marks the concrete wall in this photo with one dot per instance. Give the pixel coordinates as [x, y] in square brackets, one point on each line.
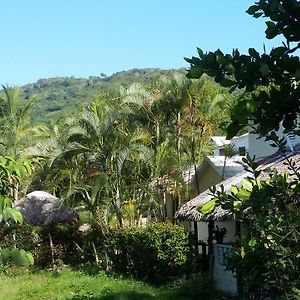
[203, 230]
[241, 141]
[225, 280]
[208, 177]
[230, 230]
[260, 148]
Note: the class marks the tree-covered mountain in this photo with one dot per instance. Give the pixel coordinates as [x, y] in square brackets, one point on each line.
[66, 94]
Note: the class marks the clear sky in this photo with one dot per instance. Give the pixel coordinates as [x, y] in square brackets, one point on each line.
[81, 38]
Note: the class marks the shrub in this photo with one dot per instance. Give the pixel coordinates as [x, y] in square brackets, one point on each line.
[36, 240]
[156, 253]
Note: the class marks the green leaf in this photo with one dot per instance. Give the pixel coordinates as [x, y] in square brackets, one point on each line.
[252, 52]
[270, 24]
[188, 60]
[247, 184]
[243, 252]
[237, 205]
[278, 52]
[264, 69]
[4, 255]
[257, 15]
[207, 207]
[5, 214]
[243, 194]
[21, 257]
[227, 82]
[252, 9]
[252, 243]
[234, 190]
[271, 31]
[230, 68]
[211, 58]
[14, 214]
[220, 58]
[200, 52]
[195, 72]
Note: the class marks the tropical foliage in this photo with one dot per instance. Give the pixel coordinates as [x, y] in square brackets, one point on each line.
[278, 70]
[11, 172]
[124, 156]
[268, 254]
[155, 253]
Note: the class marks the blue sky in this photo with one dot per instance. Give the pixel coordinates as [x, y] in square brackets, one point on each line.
[81, 38]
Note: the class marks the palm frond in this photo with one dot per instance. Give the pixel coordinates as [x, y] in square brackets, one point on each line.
[81, 139]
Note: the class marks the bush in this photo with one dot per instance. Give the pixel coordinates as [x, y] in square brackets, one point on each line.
[35, 239]
[157, 253]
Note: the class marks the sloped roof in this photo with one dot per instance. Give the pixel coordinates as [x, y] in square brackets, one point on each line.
[229, 165]
[220, 140]
[274, 162]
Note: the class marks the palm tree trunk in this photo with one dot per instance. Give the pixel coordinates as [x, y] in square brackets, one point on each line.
[118, 207]
[179, 132]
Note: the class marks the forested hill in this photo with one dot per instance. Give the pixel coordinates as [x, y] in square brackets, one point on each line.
[64, 94]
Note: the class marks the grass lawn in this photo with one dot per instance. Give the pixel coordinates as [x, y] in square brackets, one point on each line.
[76, 285]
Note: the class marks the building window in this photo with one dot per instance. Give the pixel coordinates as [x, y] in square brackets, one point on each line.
[242, 151]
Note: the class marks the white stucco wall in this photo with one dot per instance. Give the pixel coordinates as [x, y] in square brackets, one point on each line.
[225, 280]
[260, 148]
[241, 141]
[230, 230]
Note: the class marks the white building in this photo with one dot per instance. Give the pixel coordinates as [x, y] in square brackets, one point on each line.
[240, 144]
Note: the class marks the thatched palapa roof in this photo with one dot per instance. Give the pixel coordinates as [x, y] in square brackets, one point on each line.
[275, 162]
[42, 208]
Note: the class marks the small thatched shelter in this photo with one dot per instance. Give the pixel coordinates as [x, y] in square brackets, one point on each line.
[205, 226]
[42, 208]
[276, 162]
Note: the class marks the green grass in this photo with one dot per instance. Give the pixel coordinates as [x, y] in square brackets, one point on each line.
[76, 285]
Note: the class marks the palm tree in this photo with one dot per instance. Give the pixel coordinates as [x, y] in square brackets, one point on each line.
[17, 135]
[15, 126]
[150, 109]
[102, 146]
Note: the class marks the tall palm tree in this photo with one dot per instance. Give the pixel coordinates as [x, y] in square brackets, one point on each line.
[152, 108]
[17, 134]
[15, 126]
[102, 146]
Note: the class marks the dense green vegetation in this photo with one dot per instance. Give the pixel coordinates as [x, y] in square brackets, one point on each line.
[64, 95]
[118, 149]
[167, 256]
[125, 149]
[119, 157]
[267, 256]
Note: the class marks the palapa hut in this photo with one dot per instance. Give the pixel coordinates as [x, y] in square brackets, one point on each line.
[42, 208]
[203, 224]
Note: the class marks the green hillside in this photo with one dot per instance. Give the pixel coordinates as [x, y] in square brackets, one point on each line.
[65, 94]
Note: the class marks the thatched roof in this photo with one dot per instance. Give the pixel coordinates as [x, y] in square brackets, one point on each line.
[42, 208]
[275, 162]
